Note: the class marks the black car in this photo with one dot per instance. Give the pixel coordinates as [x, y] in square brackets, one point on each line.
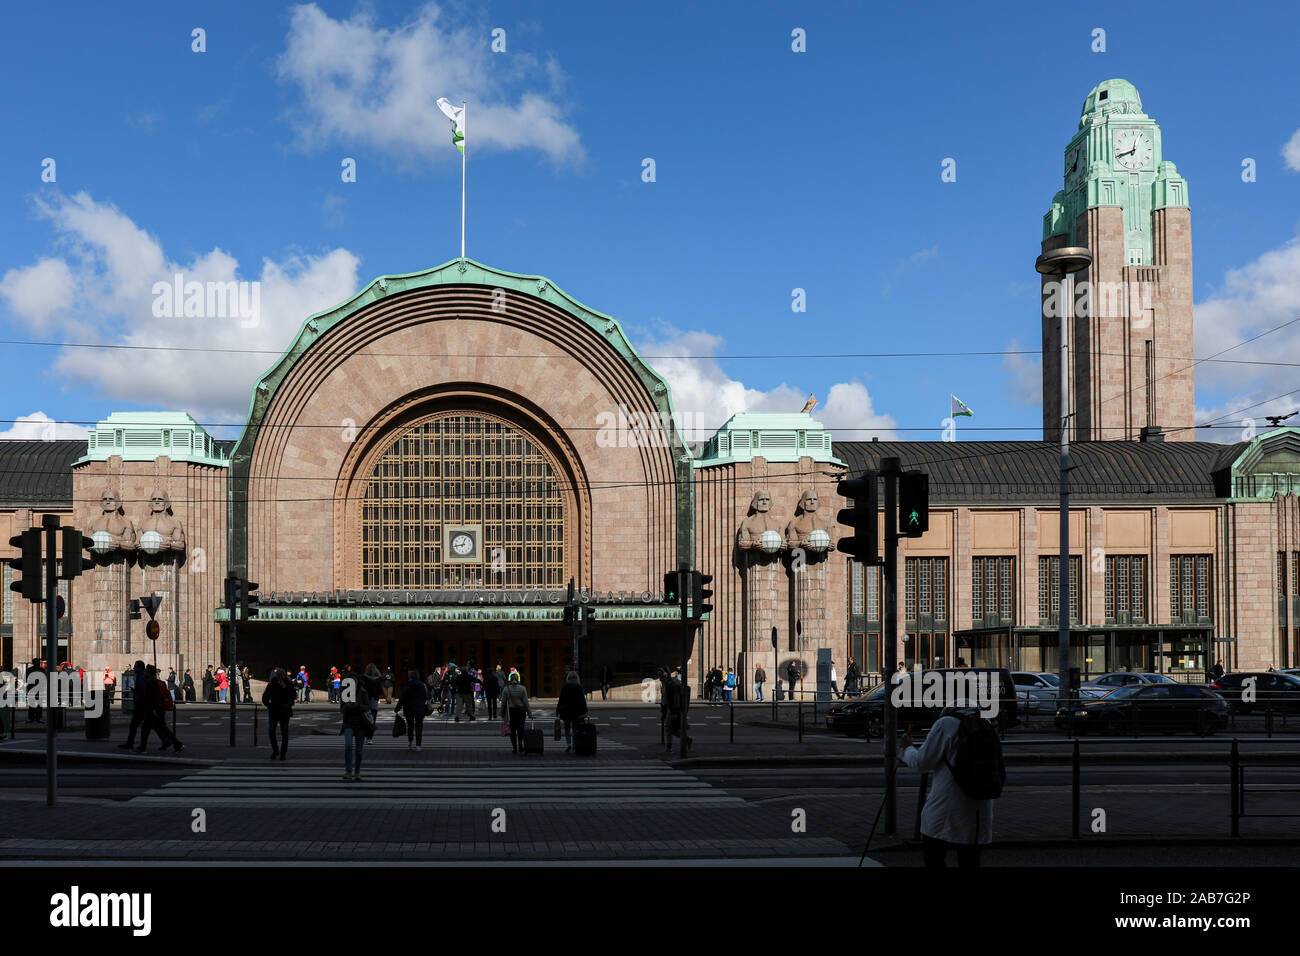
[1149, 708]
[1273, 690]
[867, 713]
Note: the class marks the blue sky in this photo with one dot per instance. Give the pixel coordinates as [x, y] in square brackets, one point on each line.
[774, 170]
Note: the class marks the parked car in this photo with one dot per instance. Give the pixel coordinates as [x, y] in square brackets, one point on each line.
[1148, 708]
[1273, 689]
[1105, 683]
[867, 713]
[1036, 691]
[1289, 671]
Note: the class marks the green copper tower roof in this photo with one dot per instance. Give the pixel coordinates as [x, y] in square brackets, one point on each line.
[144, 436]
[1110, 96]
[776, 436]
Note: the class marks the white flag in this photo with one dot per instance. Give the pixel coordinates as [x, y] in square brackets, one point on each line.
[457, 116]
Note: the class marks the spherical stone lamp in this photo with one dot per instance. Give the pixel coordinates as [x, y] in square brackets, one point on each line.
[818, 540]
[770, 541]
[151, 542]
[103, 541]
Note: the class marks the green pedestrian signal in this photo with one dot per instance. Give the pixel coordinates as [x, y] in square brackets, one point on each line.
[914, 503]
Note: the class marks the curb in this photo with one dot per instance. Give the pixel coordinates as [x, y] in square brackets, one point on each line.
[38, 756]
[853, 760]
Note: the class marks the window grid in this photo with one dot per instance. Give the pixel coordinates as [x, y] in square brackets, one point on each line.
[991, 590]
[462, 469]
[1189, 585]
[926, 588]
[1126, 585]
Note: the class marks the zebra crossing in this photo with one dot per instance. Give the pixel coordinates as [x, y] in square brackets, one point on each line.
[524, 782]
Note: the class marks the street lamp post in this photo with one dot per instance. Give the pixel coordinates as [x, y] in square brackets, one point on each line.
[1063, 263]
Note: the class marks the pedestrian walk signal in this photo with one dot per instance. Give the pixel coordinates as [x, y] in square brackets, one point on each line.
[701, 593]
[913, 504]
[74, 562]
[673, 587]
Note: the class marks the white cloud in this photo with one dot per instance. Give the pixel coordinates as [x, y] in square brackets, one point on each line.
[40, 427]
[39, 292]
[1024, 376]
[903, 266]
[113, 265]
[704, 396]
[1261, 295]
[1291, 152]
[374, 85]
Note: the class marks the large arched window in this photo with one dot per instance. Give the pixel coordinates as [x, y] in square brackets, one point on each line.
[462, 500]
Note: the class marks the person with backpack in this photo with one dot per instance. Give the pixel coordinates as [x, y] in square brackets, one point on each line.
[760, 678]
[188, 686]
[465, 690]
[514, 705]
[279, 698]
[357, 725]
[134, 678]
[964, 755]
[389, 683]
[792, 675]
[414, 706]
[729, 687]
[571, 707]
[374, 690]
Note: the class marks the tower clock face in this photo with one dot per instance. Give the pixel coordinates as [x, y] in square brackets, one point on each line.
[1133, 149]
[462, 544]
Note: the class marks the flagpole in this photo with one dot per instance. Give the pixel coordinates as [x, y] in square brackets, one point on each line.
[464, 124]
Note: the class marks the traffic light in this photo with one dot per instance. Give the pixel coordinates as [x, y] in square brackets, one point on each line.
[700, 594]
[28, 566]
[134, 608]
[913, 504]
[570, 615]
[74, 562]
[249, 599]
[862, 517]
[673, 587]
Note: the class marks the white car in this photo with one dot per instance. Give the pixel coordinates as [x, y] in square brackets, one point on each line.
[1105, 683]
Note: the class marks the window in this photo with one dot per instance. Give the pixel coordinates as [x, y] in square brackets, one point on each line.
[1126, 587]
[462, 469]
[1189, 586]
[927, 588]
[866, 586]
[991, 589]
[1049, 587]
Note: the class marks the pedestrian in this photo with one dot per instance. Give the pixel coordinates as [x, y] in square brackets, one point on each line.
[374, 682]
[1217, 671]
[358, 726]
[209, 686]
[110, 685]
[961, 663]
[835, 683]
[279, 698]
[675, 696]
[606, 678]
[137, 710]
[952, 819]
[414, 706]
[246, 680]
[153, 702]
[514, 703]
[728, 686]
[389, 683]
[760, 678]
[792, 675]
[851, 678]
[223, 685]
[465, 688]
[492, 687]
[571, 707]
[34, 700]
[335, 680]
[173, 687]
[188, 686]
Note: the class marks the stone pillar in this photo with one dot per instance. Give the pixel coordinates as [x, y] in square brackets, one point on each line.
[159, 575]
[112, 582]
[761, 578]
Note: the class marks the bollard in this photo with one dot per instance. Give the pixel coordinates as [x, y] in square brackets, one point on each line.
[1074, 785]
[1234, 798]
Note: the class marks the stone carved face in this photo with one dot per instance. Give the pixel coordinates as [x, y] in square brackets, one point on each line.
[808, 502]
[159, 502]
[761, 502]
[109, 502]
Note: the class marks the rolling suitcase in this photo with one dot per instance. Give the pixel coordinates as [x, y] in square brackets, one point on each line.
[534, 740]
[584, 739]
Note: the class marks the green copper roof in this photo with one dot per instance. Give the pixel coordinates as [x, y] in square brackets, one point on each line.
[1110, 96]
[144, 436]
[775, 436]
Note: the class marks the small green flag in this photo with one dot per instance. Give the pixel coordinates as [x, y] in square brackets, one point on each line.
[457, 116]
[958, 407]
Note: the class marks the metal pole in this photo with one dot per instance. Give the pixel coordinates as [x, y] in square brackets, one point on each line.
[464, 125]
[51, 525]
[1074, 786]
[1063, 636]
[890, 468]
[1063, 263]
[232, 600]
[686, 650]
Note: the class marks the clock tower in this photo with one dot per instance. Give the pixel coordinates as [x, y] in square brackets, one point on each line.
[1131, 336]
